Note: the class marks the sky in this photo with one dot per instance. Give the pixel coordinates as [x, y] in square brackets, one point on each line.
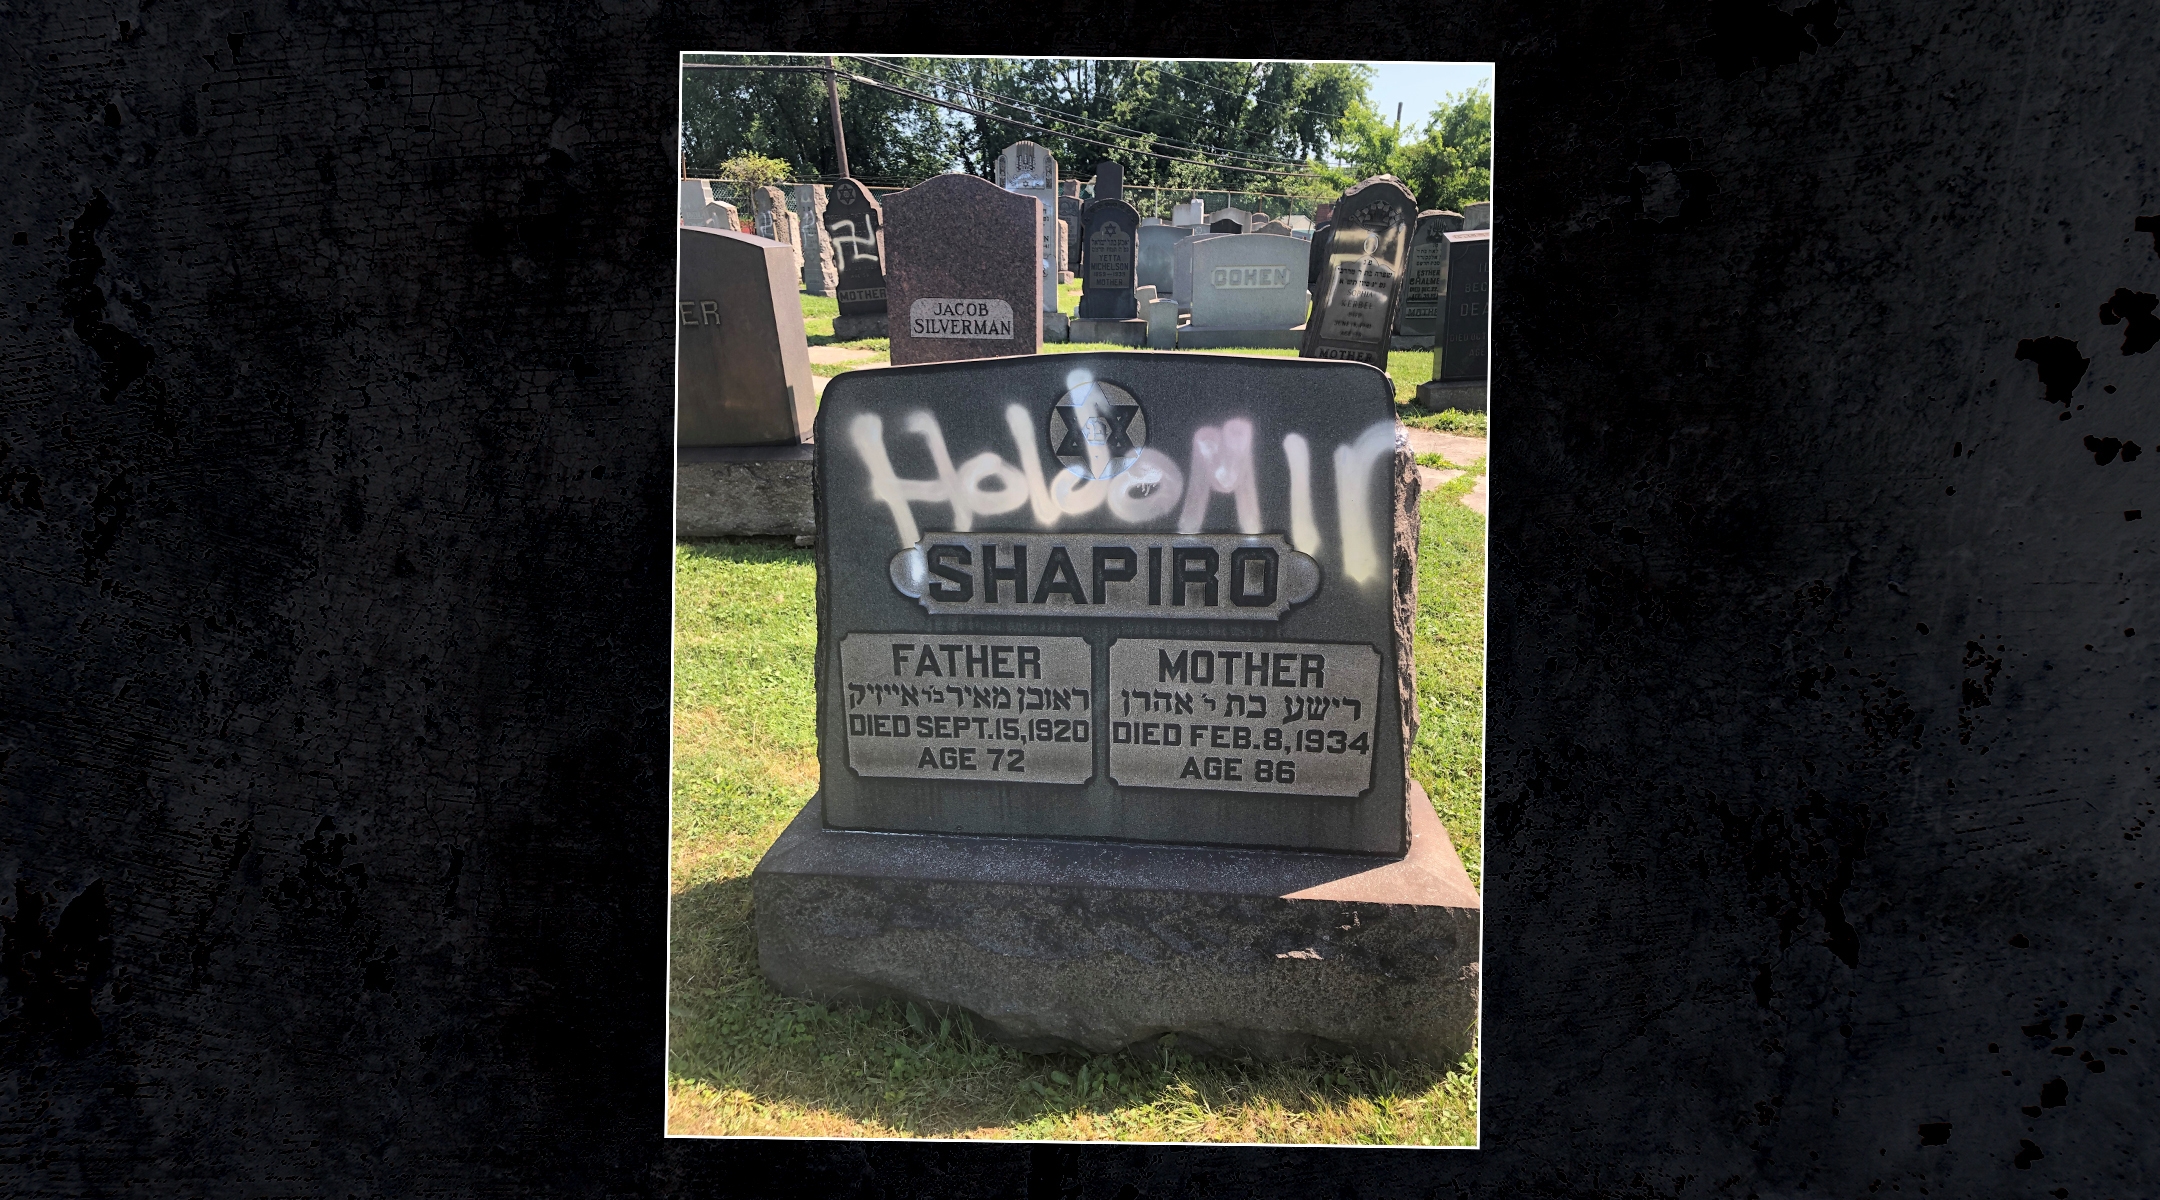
[1419, 87]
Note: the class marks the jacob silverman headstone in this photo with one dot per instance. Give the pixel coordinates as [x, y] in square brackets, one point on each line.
[1136, 675]
[743, 395]
[1360, 281]
[1460, 363]
[963, 270]
[854, 226]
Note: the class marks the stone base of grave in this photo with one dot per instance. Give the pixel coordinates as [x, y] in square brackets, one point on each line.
[1420, 341]
[1056, 327]
[743, 491]
[1467, 395]
[865, 325]
[1125, 332]
[1065, 276]
[1189, 338]
[1051, 944]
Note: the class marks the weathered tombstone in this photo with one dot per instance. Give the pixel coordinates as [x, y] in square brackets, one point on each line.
[1069, 209]
[1258, 219]
[1361, 280]
[1162, 322]
[1136, 678]
[1181, 280]
[1065, 252]
[820, 273]
[1461, 360]
[1143, 293]
[1109, 181]
[742, 364]
[1297, 223]
[1031, 170]
[1239, 215]
[1417, 318]
[696, 208]
[774, 222]
[1147, 221]
[854, 226]
[1188, 212]
[1248, 291]
[1226, 225]
[963, 270]
[1274, 227]
[1478, 216]
[1156, 243]
[1109, 312]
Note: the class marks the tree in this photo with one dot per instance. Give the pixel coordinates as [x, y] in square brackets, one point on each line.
[892, 140]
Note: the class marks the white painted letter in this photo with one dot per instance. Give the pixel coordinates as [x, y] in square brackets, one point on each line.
[1222, 462]
[1354, 465]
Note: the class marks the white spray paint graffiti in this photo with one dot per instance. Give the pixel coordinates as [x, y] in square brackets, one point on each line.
[1221, 464]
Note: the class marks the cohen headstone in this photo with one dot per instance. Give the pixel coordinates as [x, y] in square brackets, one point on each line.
[1109, 264]
[963, 276]
[1254, 282]
[1163, 605]
[854, 228]
[1361, 276]
[1155, 245]
[1030, 170]
[742, 364]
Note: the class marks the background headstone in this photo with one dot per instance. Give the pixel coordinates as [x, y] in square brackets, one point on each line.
[1031, 170]
[1162, 323]
[1143, 293]
[1181, 284]
[1156, 243]
[1189, 212]
[1274, 227]
[1066, 250]
[742, 363]
[963, 270]
[1463, 339]
[1360, 282]
[1226, 225]
[1418, 316]
[1070, 207]
[1239, 215]
[1477, 216]
[774, 222]
[1323, 213]
[1295, 221]
[1253, 281]
[854, 228]
[1147, 221]
[1109, 181]
[1110, 261]
[821, 275]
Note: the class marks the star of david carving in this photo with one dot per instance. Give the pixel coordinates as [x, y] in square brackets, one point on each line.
[1115, 437]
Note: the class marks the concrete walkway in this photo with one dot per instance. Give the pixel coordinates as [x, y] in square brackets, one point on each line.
[1456, 448]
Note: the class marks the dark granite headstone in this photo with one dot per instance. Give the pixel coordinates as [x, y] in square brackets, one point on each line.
[962, 270]
[1069, 210]
[1469, 289]
[1316, 258]
[1110, 261]
[1156, 243]
[742, 363]
[1227, 225]
[1360, 282]
[1418, 316]
[854, 224]
[1156, 599]
[1109, 181]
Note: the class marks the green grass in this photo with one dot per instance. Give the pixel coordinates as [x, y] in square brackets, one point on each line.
[745, 1060]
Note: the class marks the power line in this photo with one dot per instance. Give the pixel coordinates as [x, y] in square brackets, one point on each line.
[1099, 124]
[943, 103]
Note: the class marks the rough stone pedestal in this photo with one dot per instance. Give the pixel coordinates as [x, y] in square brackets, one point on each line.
[1056, 326]
[1121, 332]
[1055, 944]
[854, 328]
[740, 491]
[1466, 395]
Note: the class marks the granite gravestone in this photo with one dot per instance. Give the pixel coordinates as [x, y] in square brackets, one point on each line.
[1136, 674]
[963, 270]
[820, 273]
[1226, 225]
[1274, 227]
[769, 212]
[1156, 242]
[1189, 212]
[1323, 214]
[1065, 249]
[1109, 262]
[855, 228]
[1478, 216]
[1181, 280]
[1297, 223]
[1360, 280]
[742, 363]
[1031, 170]
[1069, 208]
[1418, 316]
[1239, 215]
[1460, 360]
[1247, 290]
[700, 209]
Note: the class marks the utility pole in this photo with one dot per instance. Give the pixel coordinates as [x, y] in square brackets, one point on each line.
[832, 92]
[1398, 116]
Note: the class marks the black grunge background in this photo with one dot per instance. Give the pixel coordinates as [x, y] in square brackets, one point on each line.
[334, 563]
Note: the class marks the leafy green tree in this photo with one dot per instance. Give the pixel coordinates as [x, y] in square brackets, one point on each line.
[1446, 165]
[891, 140]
